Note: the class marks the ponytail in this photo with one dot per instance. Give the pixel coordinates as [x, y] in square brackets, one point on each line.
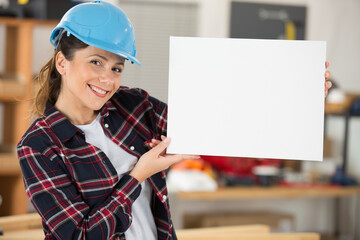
[49, 79]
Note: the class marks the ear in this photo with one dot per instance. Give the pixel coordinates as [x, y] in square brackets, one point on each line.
[60, 63]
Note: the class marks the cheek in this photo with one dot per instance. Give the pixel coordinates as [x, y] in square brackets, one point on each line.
[83, 75]
[117, 83]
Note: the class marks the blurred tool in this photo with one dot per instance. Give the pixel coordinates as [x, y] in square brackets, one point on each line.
[355, 108]
[191, 175]
[267, 175]
[342, 179]
[283, 16]
[39, 9]
[234, 171]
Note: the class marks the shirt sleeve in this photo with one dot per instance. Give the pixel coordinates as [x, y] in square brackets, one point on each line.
[160, 110]
[140, 99]
[63, 211]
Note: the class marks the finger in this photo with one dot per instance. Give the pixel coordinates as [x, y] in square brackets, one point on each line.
[155, 141]
[186, 157]
[328, 74]
[328, 84]
[163, 137]
[327, 64]
[160, 148]
[174, 158]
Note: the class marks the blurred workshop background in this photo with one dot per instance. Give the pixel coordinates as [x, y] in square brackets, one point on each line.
[289, 196]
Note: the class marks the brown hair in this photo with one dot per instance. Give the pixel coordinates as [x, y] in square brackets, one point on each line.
[49, 78]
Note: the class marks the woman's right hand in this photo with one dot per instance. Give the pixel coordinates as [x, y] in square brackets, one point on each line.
[156, 160]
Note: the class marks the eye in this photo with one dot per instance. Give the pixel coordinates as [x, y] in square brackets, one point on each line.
[117, 70]
[96, 62]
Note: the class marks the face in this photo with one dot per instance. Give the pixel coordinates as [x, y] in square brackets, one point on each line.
[88, 80]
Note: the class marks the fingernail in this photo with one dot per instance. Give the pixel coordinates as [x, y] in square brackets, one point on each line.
[166, 140]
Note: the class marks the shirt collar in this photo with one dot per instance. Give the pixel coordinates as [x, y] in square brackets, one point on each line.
[62, 127]
[108, 106]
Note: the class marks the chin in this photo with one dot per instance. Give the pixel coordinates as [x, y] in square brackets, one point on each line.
[96, 106]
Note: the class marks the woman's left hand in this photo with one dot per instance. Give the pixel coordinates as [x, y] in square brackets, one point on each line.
[328, 74]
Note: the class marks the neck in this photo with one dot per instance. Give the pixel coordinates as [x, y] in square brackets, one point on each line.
[76, 114]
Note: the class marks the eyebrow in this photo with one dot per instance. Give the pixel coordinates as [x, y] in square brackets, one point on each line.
[100, 56]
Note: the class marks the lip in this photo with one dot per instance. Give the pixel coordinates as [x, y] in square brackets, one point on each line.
[97, 93]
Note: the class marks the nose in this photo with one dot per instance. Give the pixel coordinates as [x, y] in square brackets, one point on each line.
[107, 77]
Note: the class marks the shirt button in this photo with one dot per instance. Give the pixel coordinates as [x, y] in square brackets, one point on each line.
[106, 125]
[164, 197]
[132, 148]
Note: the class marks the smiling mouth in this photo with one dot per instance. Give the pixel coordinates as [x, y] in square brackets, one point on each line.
[98, 90]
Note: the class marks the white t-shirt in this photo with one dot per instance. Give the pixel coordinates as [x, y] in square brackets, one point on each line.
[143, 225]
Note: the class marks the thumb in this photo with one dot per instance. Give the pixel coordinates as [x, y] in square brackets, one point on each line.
[160, 148]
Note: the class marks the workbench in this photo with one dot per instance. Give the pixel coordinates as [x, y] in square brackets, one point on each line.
[186, 202]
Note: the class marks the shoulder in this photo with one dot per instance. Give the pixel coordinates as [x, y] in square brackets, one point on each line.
[132, 93]
[133, 97]
[37, 136]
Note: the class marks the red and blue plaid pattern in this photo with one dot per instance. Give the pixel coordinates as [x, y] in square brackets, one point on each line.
[74, 186]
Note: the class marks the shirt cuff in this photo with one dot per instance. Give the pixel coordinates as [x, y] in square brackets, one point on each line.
[129, 188]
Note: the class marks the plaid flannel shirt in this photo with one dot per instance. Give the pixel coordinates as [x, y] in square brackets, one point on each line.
[74, 186]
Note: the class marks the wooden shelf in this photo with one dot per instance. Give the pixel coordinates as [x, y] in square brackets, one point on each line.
[12, 88]
[271, 192]
[9, 164]
[221, 198]
[15, 22]
[341, 108]
[16, 93]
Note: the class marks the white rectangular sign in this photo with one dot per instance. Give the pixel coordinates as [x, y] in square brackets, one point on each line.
[246, 97]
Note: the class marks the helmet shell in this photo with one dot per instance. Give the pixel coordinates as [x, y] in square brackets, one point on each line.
[99, 24]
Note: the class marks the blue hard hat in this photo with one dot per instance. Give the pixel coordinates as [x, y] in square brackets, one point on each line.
[99, 24]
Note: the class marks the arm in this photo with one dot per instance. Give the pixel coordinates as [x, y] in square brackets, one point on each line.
[57, 199]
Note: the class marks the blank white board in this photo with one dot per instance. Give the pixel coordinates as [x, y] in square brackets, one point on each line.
[246, 98]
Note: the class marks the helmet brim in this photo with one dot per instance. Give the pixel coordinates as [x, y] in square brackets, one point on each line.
[58, 31]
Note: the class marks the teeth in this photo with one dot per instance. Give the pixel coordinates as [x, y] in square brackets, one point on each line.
[97, 90]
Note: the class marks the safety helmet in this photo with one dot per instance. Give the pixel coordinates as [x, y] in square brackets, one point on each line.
[99, 24]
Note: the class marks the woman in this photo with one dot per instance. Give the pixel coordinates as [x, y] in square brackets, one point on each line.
[94, 160]
[86, 158]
